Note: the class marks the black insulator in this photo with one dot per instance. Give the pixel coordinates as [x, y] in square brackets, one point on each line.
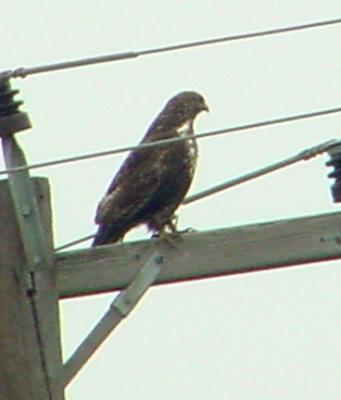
[11, 118]
[8, 106]
[335, 162]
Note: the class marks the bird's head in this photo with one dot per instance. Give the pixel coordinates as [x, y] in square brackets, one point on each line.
[186, 105]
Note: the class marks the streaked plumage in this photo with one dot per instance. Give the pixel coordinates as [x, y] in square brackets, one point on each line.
[153, 181]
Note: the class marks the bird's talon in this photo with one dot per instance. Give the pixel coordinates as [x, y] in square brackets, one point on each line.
[189, 230]
[167, 238]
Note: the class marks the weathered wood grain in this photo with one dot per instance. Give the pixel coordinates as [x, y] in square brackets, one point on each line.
[29, 331]
[203, 254]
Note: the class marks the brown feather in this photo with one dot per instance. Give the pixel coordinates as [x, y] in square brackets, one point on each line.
[152, 182]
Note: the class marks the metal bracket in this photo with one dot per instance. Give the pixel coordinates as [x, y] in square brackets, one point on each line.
[119, 309]
[13, 120]
[25, 206]
[32, 236]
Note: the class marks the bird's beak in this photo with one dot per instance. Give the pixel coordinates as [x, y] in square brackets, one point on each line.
[205, 107]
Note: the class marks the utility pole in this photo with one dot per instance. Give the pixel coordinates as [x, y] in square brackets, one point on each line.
[33, 278]
[23, 369]
[30, 351]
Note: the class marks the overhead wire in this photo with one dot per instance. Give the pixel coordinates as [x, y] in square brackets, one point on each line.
[238, 128]
[23, 72]
[302, 155]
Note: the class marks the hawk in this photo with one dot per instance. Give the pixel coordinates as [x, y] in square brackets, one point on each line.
[152, 182]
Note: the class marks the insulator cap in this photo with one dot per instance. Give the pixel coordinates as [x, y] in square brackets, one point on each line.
[335, 162]
[11, 118]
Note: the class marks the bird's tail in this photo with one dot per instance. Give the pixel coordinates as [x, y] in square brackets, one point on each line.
[107, 234]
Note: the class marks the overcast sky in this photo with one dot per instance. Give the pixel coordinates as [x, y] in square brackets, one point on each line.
[273, 335]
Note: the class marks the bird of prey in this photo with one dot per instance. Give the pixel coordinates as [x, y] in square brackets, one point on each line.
[153, 181]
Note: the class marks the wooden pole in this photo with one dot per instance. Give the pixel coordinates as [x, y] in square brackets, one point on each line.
[29, 326]
[206, 254]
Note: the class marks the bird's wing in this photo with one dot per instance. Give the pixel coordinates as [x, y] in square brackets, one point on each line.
[133, 186]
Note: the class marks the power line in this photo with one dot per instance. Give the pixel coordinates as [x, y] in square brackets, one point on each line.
[24, 72]
[74, 242]
[254, 125]
[305, 155]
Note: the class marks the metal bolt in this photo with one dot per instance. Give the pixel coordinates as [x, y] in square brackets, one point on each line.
[26, 211]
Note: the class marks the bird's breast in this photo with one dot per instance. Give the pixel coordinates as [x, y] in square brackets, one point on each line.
[190, 146]
[192, 155]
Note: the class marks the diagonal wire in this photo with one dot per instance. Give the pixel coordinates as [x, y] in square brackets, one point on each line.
[24, 72]
[304, 155]
[253, 125]
[74, 242]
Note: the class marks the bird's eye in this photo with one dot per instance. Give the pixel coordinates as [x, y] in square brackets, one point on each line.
[180, 111]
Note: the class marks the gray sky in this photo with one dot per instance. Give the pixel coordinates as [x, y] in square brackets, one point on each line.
[272, 335]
